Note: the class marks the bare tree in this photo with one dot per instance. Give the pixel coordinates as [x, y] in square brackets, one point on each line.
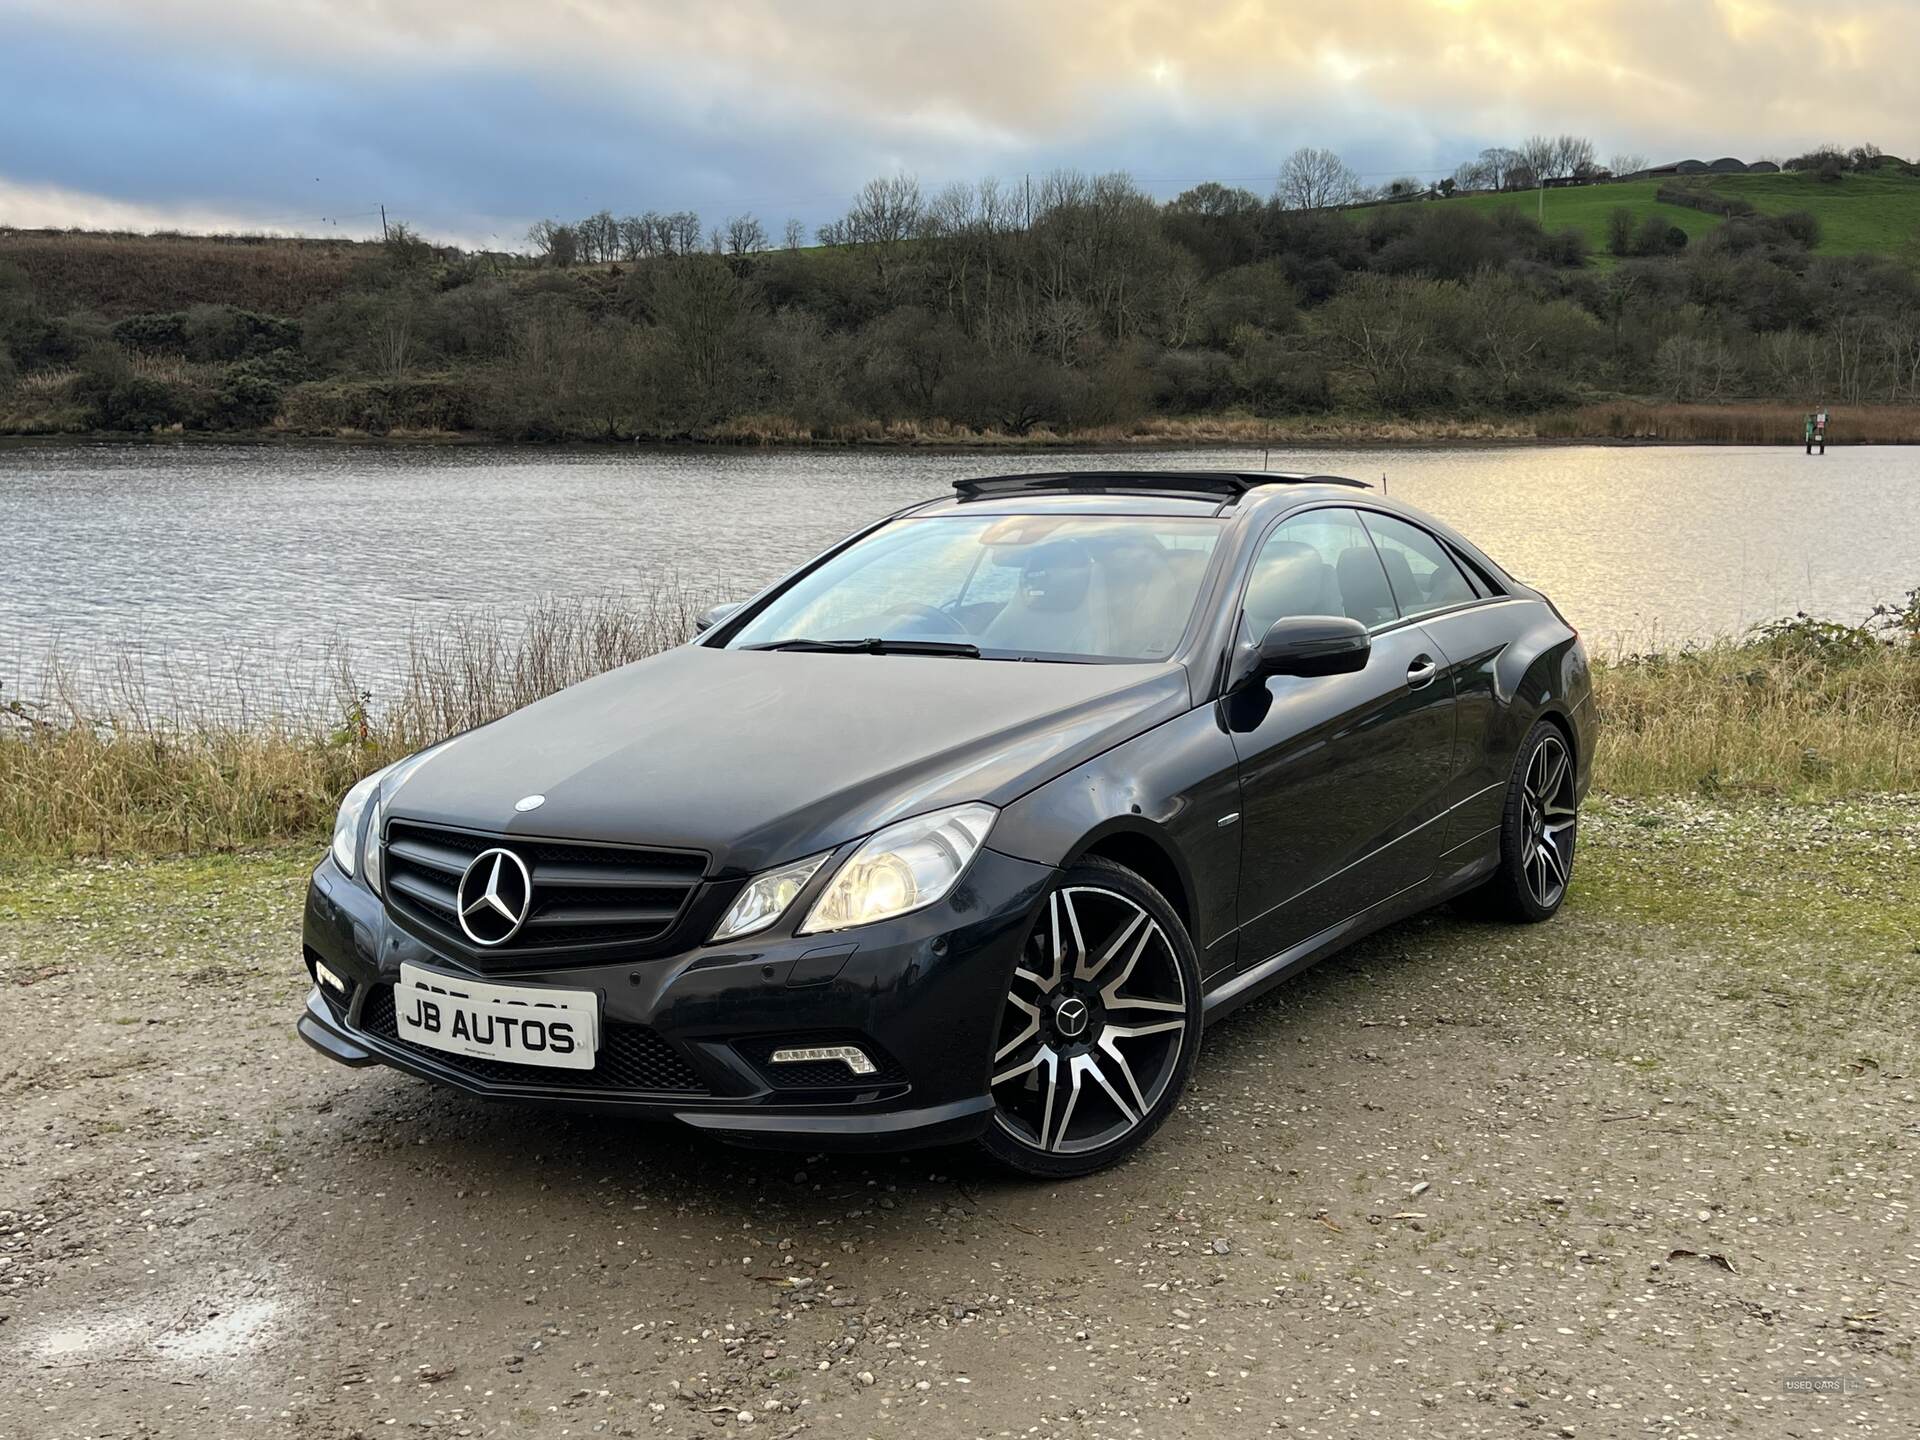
[404, 246]
[884, 216]
[885, 212]
[796, 234]
[636, 236]
[599, 237]
[1500, 162]
[1572, 156]
[1627, 162]
[1215, 201]
[393, 344]
[746, 236]
[1538, 154]
[1474, 175]
[680, 233]
[1557, 157]
[1315, 179]
[555, 243]
[707, 311]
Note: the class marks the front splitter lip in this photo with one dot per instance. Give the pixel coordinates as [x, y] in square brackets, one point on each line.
[755, 1121]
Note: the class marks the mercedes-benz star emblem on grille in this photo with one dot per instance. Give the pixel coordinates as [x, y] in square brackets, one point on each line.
[495, 897]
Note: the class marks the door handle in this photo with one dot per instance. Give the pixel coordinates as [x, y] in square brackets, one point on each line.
[1421, 672]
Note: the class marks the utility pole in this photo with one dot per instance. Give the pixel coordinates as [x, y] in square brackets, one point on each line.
[383, 222]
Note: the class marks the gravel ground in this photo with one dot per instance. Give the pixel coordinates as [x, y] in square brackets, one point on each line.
[1635, 1172]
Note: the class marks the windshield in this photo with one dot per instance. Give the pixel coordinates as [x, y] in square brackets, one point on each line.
[1065, 587]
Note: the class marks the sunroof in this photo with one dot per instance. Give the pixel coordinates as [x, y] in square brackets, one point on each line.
[1227, 485]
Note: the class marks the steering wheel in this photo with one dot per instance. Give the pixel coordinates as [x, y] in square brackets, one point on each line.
[919, 611]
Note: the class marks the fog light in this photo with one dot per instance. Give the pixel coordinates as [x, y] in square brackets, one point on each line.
[327, 977]
[852, 1056]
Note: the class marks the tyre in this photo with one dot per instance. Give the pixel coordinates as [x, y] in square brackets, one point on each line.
[1538, 828]
[1100, 1027]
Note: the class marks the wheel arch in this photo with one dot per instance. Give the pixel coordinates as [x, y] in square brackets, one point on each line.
[1150, 855]
[1555, 714]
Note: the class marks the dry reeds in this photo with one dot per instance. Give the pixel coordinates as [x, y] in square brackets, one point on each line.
[1745, 424]
[1803, 710]
[112, 769]
[1223, 429]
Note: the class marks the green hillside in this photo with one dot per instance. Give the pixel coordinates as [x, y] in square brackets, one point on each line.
[1857, 212]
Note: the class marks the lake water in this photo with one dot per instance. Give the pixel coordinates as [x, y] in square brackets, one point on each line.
[234, 563]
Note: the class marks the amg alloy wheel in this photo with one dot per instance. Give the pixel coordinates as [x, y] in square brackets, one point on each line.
[1538, 830]
[1099, 1029]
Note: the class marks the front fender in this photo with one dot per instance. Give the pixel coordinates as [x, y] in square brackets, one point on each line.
[1175, 787]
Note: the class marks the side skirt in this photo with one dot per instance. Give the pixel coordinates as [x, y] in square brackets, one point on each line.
[1461, 870]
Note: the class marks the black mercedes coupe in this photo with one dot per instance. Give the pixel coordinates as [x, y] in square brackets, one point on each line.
[966, 829]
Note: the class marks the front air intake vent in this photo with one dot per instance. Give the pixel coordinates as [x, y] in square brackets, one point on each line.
[581, 896]
[632, 1059]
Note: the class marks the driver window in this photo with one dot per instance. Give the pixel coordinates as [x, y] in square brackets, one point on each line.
[1319, 563]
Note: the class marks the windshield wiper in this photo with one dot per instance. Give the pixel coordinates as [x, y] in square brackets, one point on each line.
[876, 646]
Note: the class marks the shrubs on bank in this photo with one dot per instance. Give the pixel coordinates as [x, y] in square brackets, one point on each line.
[1695, 197]
[1092, 308]
[207, 333]
[417, 403]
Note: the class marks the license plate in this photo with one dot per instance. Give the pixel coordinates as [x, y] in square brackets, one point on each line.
[519, 1024]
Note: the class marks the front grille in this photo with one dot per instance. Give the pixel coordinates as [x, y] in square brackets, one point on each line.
[631, 1058]
[583, 895]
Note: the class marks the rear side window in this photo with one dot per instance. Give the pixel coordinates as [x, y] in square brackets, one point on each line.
[1318, 563]
[1423, 574]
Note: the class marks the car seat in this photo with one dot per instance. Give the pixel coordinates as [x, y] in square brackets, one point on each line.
[1059, 605]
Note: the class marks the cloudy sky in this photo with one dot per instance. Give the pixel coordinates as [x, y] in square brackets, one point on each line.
[470, 118]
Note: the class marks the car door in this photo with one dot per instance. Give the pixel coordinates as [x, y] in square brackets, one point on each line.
[1340, 775]
[1455, 607]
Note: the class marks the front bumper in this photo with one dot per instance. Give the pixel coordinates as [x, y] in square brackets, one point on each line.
[687, 1036]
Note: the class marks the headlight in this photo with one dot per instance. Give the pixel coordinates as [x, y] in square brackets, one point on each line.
[904, 867]
[370, 859]
[766, 899]
[346, 824]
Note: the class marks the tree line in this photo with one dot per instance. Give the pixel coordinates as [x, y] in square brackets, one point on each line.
[1080, 302]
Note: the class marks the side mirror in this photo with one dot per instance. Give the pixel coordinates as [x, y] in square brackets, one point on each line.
[707, 619]
[1314, 645]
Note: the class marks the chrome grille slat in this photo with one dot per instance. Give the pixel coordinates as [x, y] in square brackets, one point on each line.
[584, 896]
[439, 897]
[636, 877]
[654, 916]
[432, 857]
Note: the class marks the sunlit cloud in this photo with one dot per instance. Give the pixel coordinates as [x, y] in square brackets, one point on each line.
[51, 207]
[478, 114]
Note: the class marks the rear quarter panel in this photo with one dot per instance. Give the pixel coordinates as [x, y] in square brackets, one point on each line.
[1512, 662]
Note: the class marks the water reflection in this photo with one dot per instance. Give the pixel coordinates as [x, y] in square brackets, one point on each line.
[231, 562]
